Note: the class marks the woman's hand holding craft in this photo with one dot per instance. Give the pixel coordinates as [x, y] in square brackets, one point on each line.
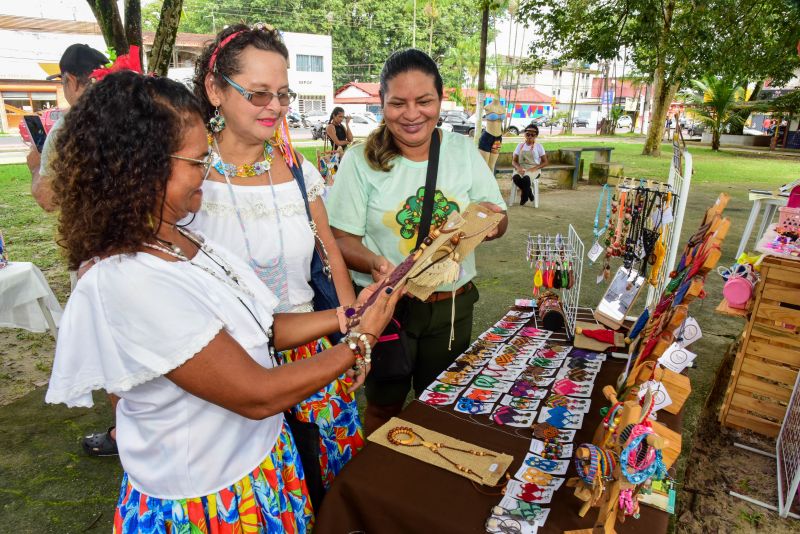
[380, 268]
[498, 230]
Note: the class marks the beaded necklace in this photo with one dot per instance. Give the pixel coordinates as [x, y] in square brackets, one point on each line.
[247, 170]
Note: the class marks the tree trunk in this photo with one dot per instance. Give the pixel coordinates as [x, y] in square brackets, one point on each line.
[107, 15]
[663, 93]
[133, 25]
[482, 71]
[159, 58]
[661, 89]
[715, 135]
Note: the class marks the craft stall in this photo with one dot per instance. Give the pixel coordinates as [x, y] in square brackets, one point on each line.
[525, 432]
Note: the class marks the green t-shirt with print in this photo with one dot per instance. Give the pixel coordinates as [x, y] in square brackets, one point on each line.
[385, 207]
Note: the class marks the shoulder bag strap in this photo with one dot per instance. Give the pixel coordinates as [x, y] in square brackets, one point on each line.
[430, 188]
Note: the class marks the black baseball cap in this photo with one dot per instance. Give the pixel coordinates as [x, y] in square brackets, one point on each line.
[80, 60]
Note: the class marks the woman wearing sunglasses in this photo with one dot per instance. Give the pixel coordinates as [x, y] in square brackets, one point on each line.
[178, 327]
[253, 203]
[529, 158]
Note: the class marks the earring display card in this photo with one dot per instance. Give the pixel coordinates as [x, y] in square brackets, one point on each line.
[536, 372]
[506, 415]
[580, 376]
[524, 388]
[552, 467]
[658, 390]
[551, 353]
[531, 513]
[532, 331]
[503, 373]
[455, 378]
[573, 404]
[541, 382]
[676, 358]
[485, 395]
[491, 382]
[494, 338]
[503, 524]
[434, 398]
[518, 314]
[532, 475]
[690, 332]
[473, 407]
[522, 404]
[441, 387]
[537, 361]
[560, 417]
[538, 447]
[565, 386]
[527, 492]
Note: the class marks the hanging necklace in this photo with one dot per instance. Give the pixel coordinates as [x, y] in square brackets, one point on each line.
[244, 171]
[408, 437]
[274, 273]
[231, 279]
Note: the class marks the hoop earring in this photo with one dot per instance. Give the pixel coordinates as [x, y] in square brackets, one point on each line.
[217, 122]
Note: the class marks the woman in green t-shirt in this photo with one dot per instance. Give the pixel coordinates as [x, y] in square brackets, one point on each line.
[374, 209]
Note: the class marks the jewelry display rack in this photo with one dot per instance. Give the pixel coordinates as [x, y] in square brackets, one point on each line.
[560, 248]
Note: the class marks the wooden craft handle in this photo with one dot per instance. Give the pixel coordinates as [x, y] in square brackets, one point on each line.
[610, 393]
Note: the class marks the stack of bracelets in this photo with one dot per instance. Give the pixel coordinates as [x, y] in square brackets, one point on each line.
[601, 463]
[639, 461]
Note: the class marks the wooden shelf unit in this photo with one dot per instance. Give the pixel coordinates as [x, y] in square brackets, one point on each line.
[768, 359]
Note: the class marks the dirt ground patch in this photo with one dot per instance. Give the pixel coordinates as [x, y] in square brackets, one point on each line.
[716, 466]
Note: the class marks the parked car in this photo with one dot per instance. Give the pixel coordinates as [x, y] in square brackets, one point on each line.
[458, 122]
[624, 122]
[696, 129]
[580, 123]
[362, 125]
[49, 117]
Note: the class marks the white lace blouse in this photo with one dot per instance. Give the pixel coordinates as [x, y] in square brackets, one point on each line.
[217, 219]
[134, 318]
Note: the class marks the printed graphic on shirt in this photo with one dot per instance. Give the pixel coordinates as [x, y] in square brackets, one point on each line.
[410, 214]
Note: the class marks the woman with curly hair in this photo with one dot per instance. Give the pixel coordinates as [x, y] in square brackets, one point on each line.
[179, 328]
[253, 202]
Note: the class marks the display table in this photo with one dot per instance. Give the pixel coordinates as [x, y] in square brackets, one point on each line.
[765, 201]
[381, 491]
[26, 300]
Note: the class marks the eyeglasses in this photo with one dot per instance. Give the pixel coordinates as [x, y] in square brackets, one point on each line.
[531, 134]
[262, 98]
[206, 162]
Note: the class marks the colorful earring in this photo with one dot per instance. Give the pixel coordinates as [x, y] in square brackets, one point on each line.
[217, 122]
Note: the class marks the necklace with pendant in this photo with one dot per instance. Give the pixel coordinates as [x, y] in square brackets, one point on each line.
[248, 170]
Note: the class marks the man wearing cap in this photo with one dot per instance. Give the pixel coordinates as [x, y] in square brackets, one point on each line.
[77, 63]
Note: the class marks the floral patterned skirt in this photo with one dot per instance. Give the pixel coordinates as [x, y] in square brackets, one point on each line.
[271, 499]
[334, 411]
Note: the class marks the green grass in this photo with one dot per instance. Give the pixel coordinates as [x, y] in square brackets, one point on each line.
[49, 485]
[722, 167]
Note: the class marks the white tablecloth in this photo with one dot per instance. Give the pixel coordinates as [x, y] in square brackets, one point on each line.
[22, 284]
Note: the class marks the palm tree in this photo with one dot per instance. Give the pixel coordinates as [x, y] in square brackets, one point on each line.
[714, 102]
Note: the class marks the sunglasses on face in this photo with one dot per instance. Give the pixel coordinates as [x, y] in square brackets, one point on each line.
[531, 134]
[205, 163]
[261, 98]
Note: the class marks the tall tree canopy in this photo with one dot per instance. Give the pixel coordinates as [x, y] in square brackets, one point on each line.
[673, 41]
[364, 32]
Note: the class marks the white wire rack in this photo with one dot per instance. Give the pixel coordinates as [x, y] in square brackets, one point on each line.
[679, 182]
[787, 452]
[562, 248]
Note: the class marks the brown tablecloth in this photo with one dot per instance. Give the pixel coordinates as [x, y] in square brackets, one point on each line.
[382, 492]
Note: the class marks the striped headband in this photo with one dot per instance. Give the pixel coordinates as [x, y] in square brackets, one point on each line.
[212, 63]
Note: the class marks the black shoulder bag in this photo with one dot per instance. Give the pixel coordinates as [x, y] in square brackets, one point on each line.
[390, 357]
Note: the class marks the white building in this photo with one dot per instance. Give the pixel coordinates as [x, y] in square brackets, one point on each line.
[30, 49]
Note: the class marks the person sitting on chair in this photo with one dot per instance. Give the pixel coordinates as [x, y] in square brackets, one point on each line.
[528, 160]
